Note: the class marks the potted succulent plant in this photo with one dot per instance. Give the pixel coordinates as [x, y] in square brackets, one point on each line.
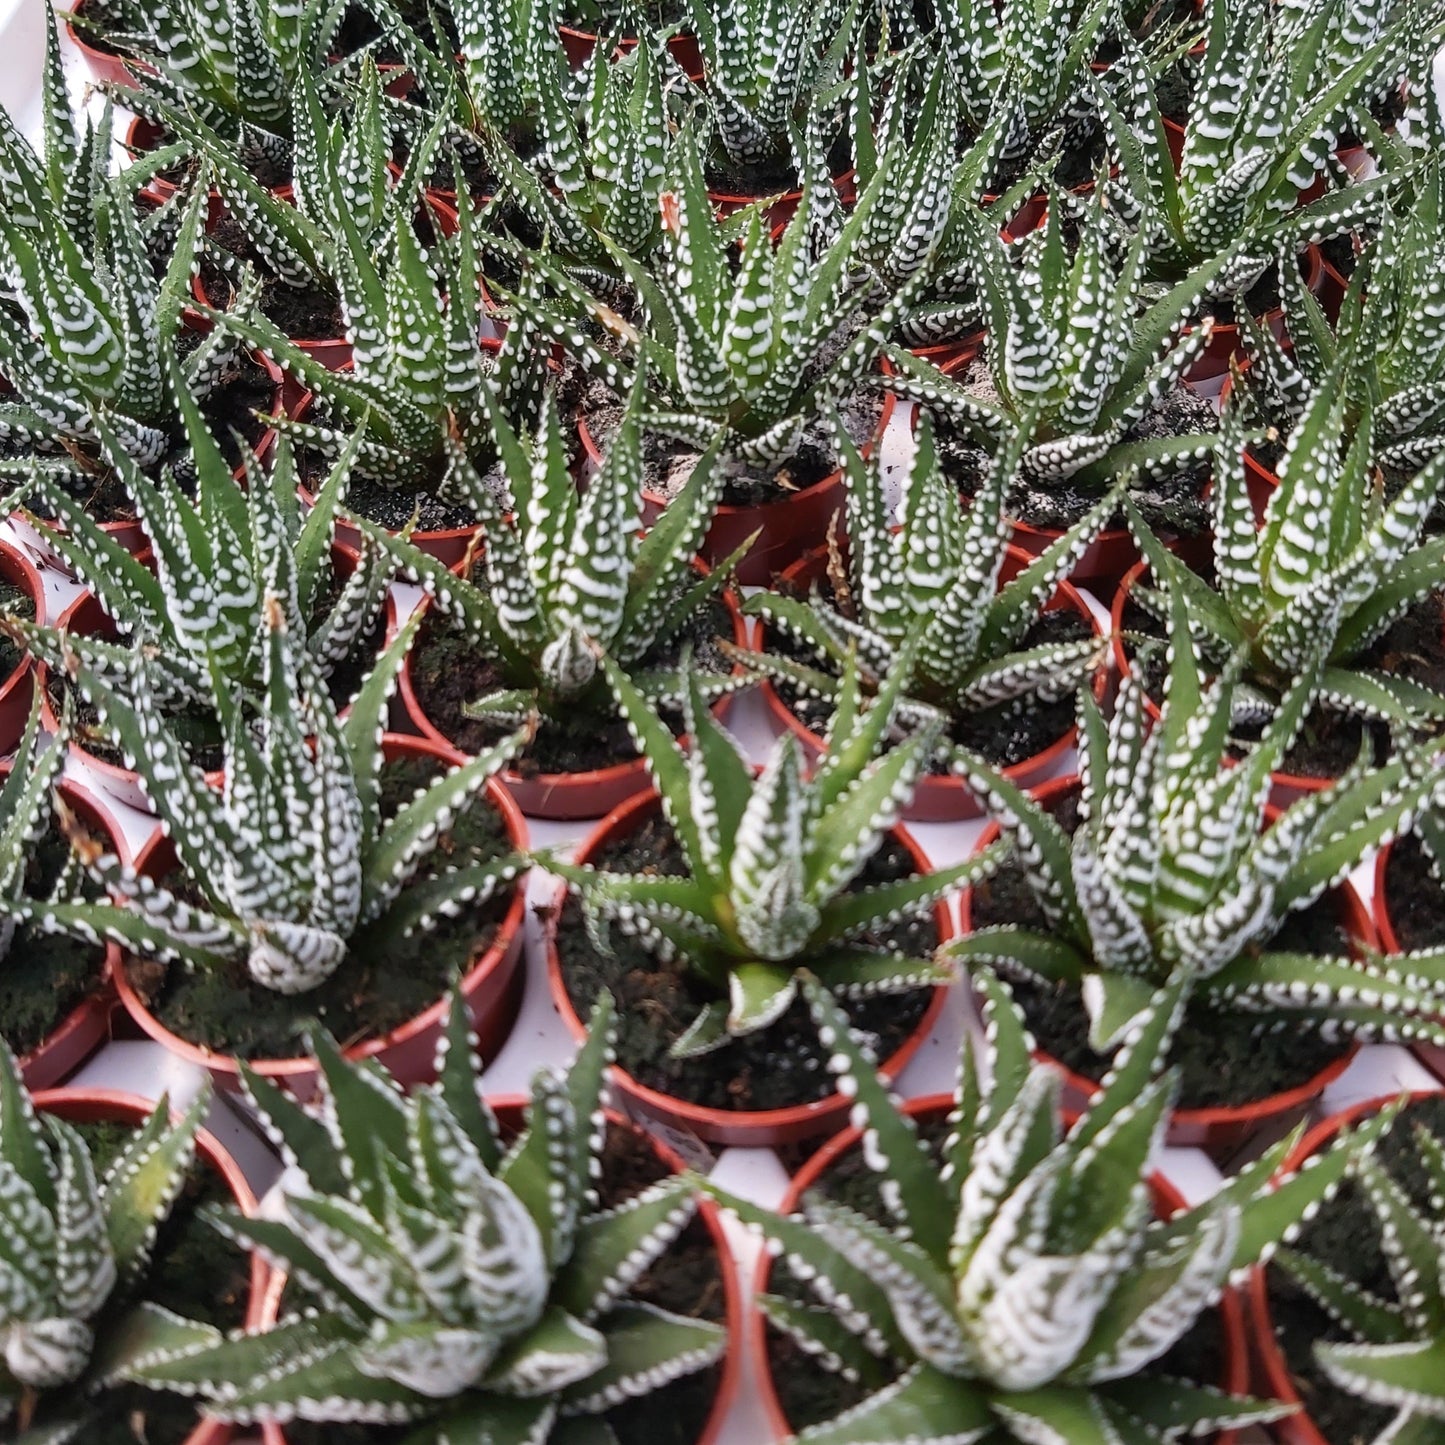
[1008, 1278]
[106, 1250]
[585, 1295]
[1347, 1321]
[577, 576]
[1279, 588]
[1006, 642]
[709, 899]
[337, 873]
[1087, 377]
[1166, 857]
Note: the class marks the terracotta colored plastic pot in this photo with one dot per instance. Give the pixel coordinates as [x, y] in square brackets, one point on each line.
[1273, 1379]
[492, 986]
[18, 690]
[332, 352]
[747, 1129]
[82, 1031]
[1167, 1203]
[1285, 788]
[562, 796]
[783, 209]
[106, 66]
[1226, 343]
[943, 798]
[789, 527]
[1218, 1130]
[510, 1111]
[109, 1106]
[580, 44]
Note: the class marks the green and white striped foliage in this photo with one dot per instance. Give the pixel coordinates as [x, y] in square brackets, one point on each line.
[1393, 323]
[769, 859]
[1399, 1342]
[935, 578]
[452, 1278]
[1173, 869]
[569, 574]
[1017, 1285]
[1276, 88]
[764, 64]
[1335, 560]
[190, 617]
[88, 319]
[73, 1257]
[26, 812]
[748, 341]
[1077, 355]
[292, 857]
[503, 69]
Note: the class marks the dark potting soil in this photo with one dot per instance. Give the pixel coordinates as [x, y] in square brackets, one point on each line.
[779, 1066]
[304, 313]
[448, 671]
[15, 601]
[810, 1394]
[687, 1280]
[393, 507]
[1345, 1235]
[1225, 1059]
[45, 976]
[1173, 504]
[1262, 296]
[372, 992]
[1339, 253]
[667, 464]
[1415, 895]
[199, 733]
[1005, 734]
[193, 1272]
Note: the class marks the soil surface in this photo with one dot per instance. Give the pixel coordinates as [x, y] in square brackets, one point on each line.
[448, 672]
[199, 733]
[687, 1280]
[304, 313]
[1171, 504]
[193, 1272]
[372, 992]
[1224, 1059]
[1345, 1235]
[15, 601]
[774, 1068]
[1415, 896]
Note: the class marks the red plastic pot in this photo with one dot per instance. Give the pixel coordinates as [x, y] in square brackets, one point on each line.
[1274, 1380]
[106, 66]
[746, 1129]
[17, 691]
[82, 1031]
[492, 986]
[109, 1106]
[1218, 1130]
[726, 203]
[562, 796]
[580, 44]
[945, 798]
[1167, 1203]
[789, 526]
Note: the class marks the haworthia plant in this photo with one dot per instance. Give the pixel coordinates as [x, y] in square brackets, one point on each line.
[769, 860]
[1336, 559]
[1019, 1285]
[87, 320]
[1077, 354]
[1394, 1359]
[567, 574]
[189, 616]
[1276, 88]
[73, 1259]
[1173, 868]
[293, 862]
[937, 574]
[449, 1276]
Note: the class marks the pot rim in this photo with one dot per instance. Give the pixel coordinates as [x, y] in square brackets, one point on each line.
[1362, 932]
[761, 1121]
[304, 1065]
